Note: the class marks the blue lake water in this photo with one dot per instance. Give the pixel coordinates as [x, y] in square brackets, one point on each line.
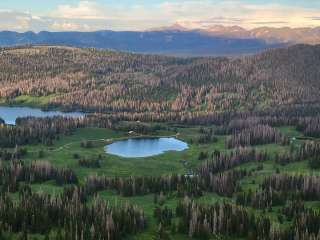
[145, 147]
[10, 114]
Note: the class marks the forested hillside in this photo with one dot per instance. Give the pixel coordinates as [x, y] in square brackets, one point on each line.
[105, 81]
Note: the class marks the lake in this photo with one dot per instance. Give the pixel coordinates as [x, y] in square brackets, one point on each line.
[10, 114]
[145, 147]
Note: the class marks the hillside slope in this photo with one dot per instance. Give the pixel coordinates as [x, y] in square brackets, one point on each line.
[107, 81]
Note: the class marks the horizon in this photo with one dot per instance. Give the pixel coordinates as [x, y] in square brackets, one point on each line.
[141, 15]
[172, 27]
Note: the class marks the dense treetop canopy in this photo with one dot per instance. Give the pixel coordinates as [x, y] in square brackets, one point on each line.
[106, 81]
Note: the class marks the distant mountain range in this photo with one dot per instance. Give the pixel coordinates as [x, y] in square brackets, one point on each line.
[270, 35]
[173, 40]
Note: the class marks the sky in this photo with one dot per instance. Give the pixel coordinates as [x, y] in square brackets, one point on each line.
[92, 15]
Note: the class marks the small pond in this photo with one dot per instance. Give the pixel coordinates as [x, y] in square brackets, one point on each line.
[10, 114]
[145, 147]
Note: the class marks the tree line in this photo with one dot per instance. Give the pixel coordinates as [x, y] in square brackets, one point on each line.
[64, 217]
[13, 174]
[227, 219]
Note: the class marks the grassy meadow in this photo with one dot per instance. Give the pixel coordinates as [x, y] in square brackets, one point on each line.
[62, 153]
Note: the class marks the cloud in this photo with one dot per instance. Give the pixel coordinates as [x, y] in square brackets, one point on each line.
[84, 10]
[315, 18]
[243, 14]
[271, 23]
[18, 21]
[90, 16]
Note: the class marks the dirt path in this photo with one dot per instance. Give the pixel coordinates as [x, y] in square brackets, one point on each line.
[66, 146]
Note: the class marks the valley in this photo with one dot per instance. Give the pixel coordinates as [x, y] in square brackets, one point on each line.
[251, 168]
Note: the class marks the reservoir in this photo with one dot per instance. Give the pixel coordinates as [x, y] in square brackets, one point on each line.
[145, 147]
[10, 114]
